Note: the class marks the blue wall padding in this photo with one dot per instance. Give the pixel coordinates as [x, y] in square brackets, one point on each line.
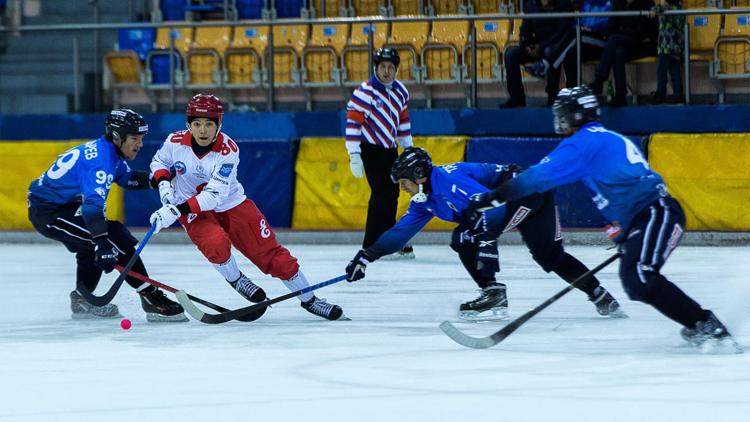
[573, 201]
[266, 172]
[469, 122]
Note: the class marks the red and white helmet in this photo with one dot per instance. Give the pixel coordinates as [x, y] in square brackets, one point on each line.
[205, 105]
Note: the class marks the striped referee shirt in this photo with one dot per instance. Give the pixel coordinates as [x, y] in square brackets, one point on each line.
[378, 115]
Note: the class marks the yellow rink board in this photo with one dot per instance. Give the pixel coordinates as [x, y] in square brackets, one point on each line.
[22, 162]
[328, 197]
[709, 174]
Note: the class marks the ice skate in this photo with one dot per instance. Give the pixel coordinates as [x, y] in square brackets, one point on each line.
[159, 308]
[491, 305]
[606, 305]
[84, 310]
[248, 289]
[321, 308]
[404, 254]
[709, 335]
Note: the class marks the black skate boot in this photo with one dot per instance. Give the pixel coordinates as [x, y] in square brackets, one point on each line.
[710, 329]
[606, 305]
[404, 254]
[84, 310]
[248, 289]
[325, 310]
[491, 305]
[159, 308]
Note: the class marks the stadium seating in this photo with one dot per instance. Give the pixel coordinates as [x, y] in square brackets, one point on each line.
[243, 60]
[732, 49]
[139, 40]
[157, 60]
[355, 56]
[204, 63]
[704, 31]
[367, 7]
[445, 7]
[480, 7]
[321, 58]
[250, 9]
[408, 38]
[492, 35]
[288, 43]
[333, 8]
[441, 56]
[406, 7]
[288, 8]
[125, 68]
[172, 10]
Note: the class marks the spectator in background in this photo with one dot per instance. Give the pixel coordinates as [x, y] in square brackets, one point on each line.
[670, 51]
[546, 43]
[630, 37]
[377, 122]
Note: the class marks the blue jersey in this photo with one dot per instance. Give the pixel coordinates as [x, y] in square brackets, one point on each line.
[451, 186]
[617, 175]
[84, 175]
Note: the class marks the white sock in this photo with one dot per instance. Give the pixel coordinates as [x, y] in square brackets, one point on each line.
[229, 269]
[299, 282]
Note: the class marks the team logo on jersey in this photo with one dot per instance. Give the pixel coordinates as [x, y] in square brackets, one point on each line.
[265, 232]
[226, 170]
[191, 217]
[378, 103]
[180, 167]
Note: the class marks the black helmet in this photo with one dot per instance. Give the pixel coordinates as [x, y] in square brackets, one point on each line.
[574, 107]
[414, 163]
[386, 55]
[123, 122]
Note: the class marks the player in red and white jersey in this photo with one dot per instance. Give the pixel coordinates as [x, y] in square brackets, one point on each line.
[204, 195]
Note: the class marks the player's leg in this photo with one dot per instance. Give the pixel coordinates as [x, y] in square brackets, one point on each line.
[251, 234]
[157, 306]
[654, 234]
[211, 238]
[492, 302]
[541, 233]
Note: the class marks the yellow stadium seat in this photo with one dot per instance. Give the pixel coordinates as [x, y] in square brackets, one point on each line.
[406, 7]
[243, 63]
[355, 56]
[367, 7]
[320, 59]
[732, 50]
[741, 3]
[183, 38]
[441, 57]
[492, 35]
[408, 38]
[486, 7]
[444, 7]
[125, 68]
[695, 4]
[204, 64]
[288, 43]
[704, 31]
[333, 8]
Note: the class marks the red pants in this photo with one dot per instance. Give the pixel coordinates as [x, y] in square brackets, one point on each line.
[245, 228]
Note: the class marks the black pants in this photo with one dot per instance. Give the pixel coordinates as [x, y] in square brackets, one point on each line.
[652, 237]
[517, 55]
[536, 218]
[63, 225]
[383, 204]
[672, 66]
[618, 50]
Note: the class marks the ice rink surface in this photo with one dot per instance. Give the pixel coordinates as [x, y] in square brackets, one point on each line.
[390, 363]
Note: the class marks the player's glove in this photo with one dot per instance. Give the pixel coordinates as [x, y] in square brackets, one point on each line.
[106, 254]
[488, 258]
[356, 268]
[166, 192]
[355, 165]
[164, 217]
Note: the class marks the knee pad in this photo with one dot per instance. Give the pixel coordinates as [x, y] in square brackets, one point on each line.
[549, 260]
[281, 264]
[217, 251]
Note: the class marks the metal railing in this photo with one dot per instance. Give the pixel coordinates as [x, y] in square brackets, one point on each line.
[371, 20]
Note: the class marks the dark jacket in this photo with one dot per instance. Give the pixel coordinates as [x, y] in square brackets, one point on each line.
[546, 32]
[642, 28]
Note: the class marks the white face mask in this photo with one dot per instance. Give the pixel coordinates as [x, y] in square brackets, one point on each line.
[420, 197]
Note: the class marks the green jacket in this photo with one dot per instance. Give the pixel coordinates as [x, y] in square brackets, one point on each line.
[671, 39]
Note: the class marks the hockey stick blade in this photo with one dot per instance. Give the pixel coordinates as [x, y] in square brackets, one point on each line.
[110, 294]
[223, 317]
[143, 278]
[484, 342]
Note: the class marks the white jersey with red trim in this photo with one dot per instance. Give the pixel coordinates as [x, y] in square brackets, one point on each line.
[208, 182]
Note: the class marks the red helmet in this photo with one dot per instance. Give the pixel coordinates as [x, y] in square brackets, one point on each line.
[205, 105]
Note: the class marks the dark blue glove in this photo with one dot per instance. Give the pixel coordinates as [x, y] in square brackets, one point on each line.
[356, 268]
[106, 254]
[488, 258]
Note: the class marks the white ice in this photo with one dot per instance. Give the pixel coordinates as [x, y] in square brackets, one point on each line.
[390, 363]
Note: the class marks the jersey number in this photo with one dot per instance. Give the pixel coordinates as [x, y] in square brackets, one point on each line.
[64, 163]
[634, 156]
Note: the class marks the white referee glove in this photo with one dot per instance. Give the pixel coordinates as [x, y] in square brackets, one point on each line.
[164, 217]
[166, 192]
[356, 166]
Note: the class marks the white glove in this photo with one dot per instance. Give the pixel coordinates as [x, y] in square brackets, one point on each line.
[355, 164]
[166, 192]
[164, 217]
